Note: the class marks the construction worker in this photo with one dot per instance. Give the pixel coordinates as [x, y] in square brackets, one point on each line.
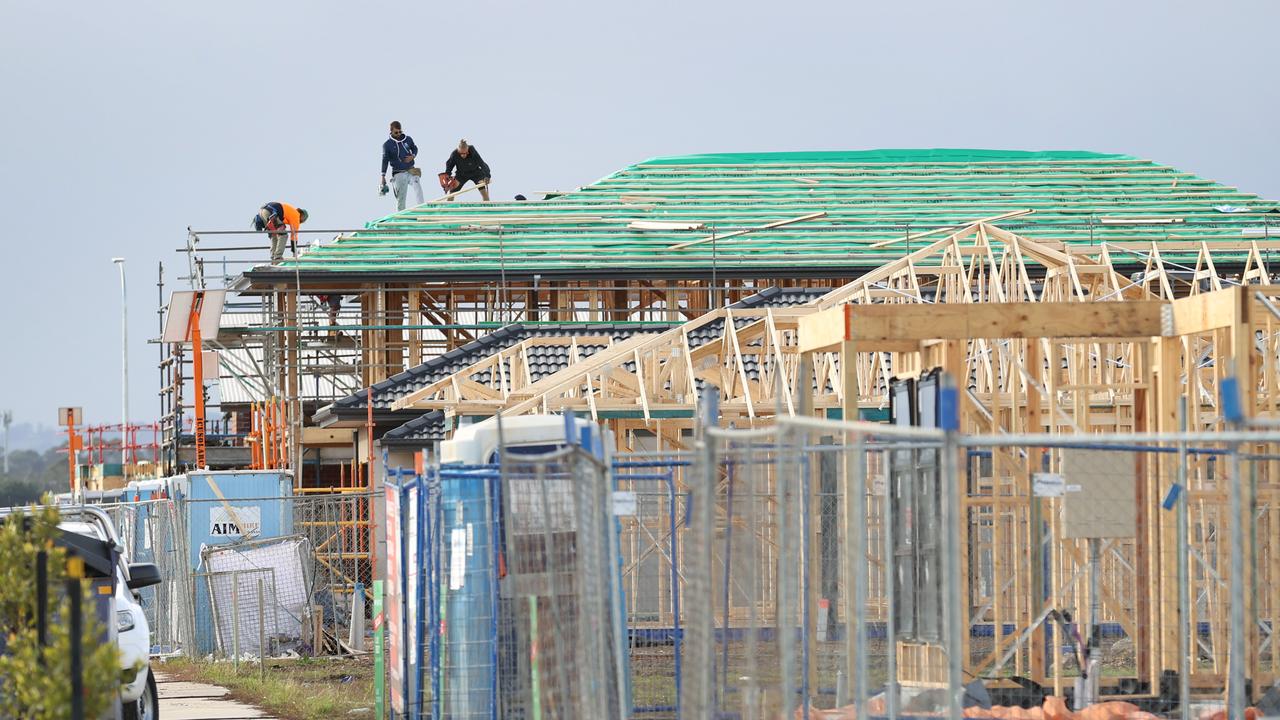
[273, 218]
[465, 164]
[399, 152]
[334, 303]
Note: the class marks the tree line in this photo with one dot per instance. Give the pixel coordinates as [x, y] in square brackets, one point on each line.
[31, 474]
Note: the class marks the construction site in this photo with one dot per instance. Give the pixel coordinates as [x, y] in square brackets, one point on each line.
[886, 433]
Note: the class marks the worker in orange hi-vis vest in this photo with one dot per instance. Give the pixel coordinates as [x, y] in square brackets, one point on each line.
[273, 218]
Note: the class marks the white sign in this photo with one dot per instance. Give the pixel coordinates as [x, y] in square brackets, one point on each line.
[394, 602]
[457, 557]
[411, 550]
[624, 502]
[228, 521]
[1048, 485]
[70, 416]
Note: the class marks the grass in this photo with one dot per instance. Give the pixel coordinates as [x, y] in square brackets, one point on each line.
[302, 689]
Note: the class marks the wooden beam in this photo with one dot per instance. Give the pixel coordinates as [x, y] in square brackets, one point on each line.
[737, 233]
[1206, 311]
[873, 324]
[664, 225]
[823, 330]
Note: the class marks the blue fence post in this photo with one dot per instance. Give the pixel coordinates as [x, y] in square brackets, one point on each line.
[436, 534]
[402, 494]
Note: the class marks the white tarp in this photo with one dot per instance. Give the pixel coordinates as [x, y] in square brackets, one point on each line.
[234, 574]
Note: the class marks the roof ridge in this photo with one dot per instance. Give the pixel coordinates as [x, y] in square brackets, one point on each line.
[889, 155]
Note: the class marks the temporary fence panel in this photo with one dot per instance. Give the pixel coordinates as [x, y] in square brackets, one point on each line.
[415, 616]
[560, 585]
[338, 527]
[768, 567]
[651, 512]
[179, 610]
[284, 566]
[1111, 566]
[469, 658]
[394, 600]
[509, 590]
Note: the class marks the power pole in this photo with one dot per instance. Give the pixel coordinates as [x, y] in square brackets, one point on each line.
[6, 419]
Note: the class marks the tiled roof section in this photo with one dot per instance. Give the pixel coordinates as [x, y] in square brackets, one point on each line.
[418, 432]
[430, 427]
[397, 386]
[547, 360]
[633, 219]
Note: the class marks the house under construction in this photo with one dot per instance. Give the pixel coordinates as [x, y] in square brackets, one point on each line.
[1070, 292]
[664, 242]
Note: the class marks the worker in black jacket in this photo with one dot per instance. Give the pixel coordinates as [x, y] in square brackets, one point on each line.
[465, 164]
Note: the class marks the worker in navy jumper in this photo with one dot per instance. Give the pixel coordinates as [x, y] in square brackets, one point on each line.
[398, 152]
[465, 164]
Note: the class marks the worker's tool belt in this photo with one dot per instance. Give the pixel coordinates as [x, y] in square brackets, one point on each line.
[416, 172]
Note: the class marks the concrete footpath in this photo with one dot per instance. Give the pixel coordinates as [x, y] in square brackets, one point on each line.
[181, 700]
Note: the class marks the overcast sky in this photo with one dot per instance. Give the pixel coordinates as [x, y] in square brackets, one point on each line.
[124, 123]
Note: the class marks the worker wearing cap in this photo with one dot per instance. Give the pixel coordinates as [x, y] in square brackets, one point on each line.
[465, 164]
[274, 218]
[398, 152]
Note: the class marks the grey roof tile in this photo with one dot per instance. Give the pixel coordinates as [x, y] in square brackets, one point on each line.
[430, 427]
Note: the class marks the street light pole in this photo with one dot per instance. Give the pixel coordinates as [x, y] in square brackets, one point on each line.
[124, 370]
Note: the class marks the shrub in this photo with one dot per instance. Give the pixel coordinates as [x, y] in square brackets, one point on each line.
[35, 681]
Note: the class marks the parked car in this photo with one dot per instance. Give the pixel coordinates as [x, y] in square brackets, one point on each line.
[138, 697]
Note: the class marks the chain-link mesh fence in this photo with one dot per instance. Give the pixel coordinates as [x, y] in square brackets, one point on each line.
[651, 510]
[509, 601]
[817, 568]
[338, 528]
[325, 538]
[789, 597]
[561, 567]
[1113, 565]
[855, 569]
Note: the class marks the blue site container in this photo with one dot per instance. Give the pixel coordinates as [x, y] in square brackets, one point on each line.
[260, 499]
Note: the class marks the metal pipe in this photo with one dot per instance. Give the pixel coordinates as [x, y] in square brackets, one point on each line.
[869, 429]
[1024, 223]
[448, 326]
[198, 233]
[785, 604]
[1185, 624]
[953, 617]
[1266, 302]
[856, 526]
[235, 622]
[887, 560]
[262, 634]
[124, 369]
[1236, 644]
